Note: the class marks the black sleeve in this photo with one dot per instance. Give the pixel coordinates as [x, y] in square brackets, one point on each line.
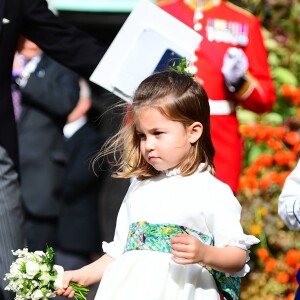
[63, 42]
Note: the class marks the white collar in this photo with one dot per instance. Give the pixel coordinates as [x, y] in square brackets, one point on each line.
[172, 172]
[177, 171]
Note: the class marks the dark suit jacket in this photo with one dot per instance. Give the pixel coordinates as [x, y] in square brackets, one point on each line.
[80, 214]
[50, 94]
[62, 42]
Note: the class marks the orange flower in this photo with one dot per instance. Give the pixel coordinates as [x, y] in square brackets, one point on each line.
[248, 182]
[270, 265]
[296, 147]
[296, 97]
[279, 132]
[292, 138]
[255, 229]
[264, 183]
[283, 158]
[291, 93]
[290, 296]
[274, 144]
[264, 133]
[292, 257]
[282, 177]
[262, 253]
[274, 177]
[286, 90]
[283, 277]
[252, 170]
[263, 211]
[265, 160]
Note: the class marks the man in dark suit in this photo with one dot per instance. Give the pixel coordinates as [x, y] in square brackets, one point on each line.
[79, 211]
[65, 44]
[47, 97]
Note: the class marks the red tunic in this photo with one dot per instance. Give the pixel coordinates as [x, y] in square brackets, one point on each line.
[225, 26]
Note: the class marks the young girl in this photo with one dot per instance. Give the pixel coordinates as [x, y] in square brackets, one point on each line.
[178, 234]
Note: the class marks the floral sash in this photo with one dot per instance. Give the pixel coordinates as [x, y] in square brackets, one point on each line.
[156, 237]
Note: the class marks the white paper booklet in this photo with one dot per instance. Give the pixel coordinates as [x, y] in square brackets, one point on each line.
[147, 42]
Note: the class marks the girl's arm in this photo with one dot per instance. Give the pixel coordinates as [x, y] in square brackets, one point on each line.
[187, 249]
[85, 276]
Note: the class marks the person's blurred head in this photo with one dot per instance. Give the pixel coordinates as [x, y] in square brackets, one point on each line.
[28, 49]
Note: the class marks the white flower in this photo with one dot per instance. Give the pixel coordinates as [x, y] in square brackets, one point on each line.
[191, 69]
[14, 269]
[44, 268]
[45, 278]
[38, 294]
[39, 253]
[58, 283]
[32, 268]
[30, 276]
[50, 294]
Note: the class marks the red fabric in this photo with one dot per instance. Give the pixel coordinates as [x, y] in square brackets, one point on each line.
[210, 55]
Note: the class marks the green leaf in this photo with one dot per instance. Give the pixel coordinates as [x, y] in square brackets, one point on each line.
[49, 257]
[181, 67]
[246, 116]
[23, 268]
[283, 75]
[272, 118]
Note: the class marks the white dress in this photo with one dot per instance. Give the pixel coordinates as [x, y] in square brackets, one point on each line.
[200, 202]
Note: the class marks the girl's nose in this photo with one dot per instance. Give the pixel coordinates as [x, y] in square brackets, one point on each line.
[149, 145]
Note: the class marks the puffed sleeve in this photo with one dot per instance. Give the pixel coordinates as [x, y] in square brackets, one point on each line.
[117, 246]
[289, 200]
[223, 221]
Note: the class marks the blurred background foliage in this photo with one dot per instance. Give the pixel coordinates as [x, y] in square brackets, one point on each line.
[272, 146]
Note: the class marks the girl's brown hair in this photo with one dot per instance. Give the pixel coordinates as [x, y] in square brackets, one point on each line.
[179, 98]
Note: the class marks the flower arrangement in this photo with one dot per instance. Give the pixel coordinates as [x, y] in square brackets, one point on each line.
[272, 147]
[182, 66]
[33, 275]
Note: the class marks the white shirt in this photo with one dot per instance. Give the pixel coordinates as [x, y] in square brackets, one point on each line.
[72, 127]
[289, 200]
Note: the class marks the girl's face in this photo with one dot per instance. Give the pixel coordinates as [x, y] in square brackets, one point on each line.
[164, 143]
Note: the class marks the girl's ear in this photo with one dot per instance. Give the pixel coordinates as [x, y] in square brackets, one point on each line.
[194, 132]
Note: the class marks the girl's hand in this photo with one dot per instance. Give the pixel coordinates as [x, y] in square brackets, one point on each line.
[85, 276]
[187, 249]
[69, 276]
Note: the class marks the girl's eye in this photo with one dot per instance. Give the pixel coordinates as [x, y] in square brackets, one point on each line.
[158, 133]
[141, 136]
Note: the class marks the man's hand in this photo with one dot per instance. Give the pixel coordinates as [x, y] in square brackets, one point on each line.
[235, 65]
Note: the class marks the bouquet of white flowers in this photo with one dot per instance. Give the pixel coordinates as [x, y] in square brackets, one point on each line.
[34, 276]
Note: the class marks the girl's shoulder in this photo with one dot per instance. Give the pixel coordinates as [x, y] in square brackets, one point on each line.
[212, 187]
[210, 180]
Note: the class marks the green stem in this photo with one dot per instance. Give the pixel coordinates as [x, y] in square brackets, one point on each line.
[80, 291]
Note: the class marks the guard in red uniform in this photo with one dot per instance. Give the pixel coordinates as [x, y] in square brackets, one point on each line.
[233, 69]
